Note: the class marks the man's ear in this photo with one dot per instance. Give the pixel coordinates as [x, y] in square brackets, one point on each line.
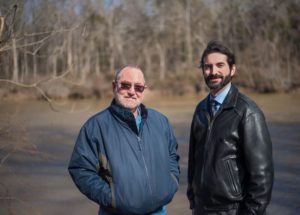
[233, 70]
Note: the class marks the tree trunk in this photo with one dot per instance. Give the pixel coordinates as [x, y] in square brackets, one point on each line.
[162, 62]
[34, 67]
[188, 36]
[147, 56]
[111, 43]
[15, 61]
[98, 65]
[69, 53]
[26, 71]
[54, 65]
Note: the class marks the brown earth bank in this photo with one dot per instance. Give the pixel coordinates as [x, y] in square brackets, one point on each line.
[60, 89]
[37, 138]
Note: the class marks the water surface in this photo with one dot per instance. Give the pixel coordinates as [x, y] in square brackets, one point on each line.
[36, 143]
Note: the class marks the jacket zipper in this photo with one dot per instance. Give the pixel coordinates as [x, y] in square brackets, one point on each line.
[210, 124]
[144, 161]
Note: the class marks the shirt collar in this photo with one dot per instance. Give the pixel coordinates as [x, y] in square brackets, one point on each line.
[138, 119]
[221, 97]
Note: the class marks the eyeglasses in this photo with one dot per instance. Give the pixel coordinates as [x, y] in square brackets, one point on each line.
[127, 86]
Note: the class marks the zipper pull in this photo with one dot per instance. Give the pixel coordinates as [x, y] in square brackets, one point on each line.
[139, 143]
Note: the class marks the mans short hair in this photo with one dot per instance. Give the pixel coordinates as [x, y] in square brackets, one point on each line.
[215, 46]
[118, 72]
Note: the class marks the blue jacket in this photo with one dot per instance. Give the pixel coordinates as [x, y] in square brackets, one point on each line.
[124, 170]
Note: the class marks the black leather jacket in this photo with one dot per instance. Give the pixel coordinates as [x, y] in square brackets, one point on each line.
[230, 157]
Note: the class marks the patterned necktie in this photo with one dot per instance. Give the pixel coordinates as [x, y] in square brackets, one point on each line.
[214, 106]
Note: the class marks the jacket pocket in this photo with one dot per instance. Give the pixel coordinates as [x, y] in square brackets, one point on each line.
[232, 176]
[113, 195]
[104, 172]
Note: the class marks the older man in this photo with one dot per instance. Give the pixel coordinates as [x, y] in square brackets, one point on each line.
[125, 156]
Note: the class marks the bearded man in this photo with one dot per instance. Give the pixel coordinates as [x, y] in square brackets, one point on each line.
[230, 167]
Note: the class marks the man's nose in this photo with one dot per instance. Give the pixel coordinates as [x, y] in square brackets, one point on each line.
[213, 70]
[131, 90]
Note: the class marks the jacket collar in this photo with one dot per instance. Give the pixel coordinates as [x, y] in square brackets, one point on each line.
[125, 115]
[231, 98]
[229, 102]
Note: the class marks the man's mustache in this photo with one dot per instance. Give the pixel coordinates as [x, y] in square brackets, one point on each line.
[214, 76]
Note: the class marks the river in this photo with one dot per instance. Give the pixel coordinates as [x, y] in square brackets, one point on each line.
[36, 143]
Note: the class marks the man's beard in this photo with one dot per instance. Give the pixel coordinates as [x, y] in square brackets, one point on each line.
[218, 86]
[124, 101]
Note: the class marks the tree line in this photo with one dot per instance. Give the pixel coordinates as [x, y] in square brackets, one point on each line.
[83, 43]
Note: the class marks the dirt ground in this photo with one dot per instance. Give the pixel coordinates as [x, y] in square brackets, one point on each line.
[36, 143]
